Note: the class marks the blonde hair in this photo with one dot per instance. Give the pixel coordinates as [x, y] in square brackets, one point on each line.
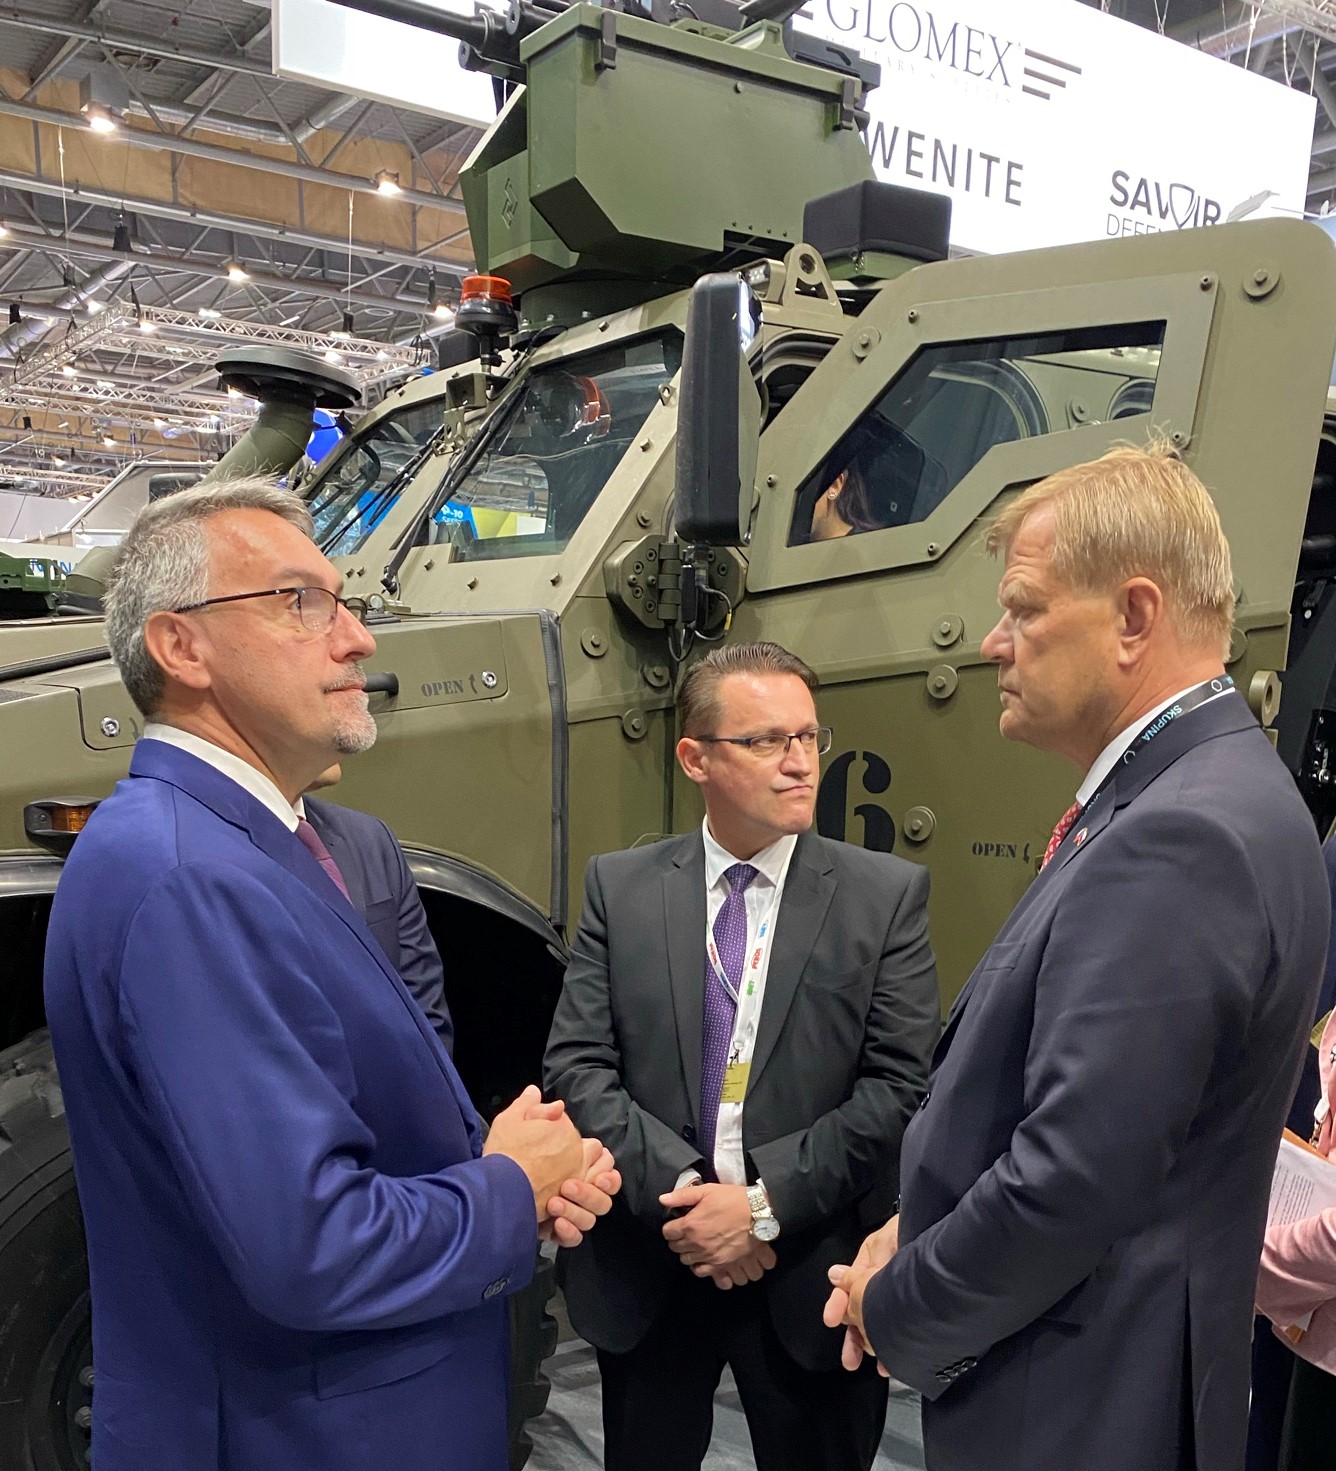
[1136, 513]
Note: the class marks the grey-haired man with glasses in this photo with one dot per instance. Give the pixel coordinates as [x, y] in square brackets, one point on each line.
[299, 1243]
[746, 1022]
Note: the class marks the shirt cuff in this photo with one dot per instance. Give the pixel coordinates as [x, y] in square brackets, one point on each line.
[689, 1176]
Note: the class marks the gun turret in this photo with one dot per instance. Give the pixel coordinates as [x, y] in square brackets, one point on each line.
[652, 141]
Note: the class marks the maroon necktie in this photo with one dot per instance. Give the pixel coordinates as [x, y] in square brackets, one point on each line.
[311, 842]
[1063, 828]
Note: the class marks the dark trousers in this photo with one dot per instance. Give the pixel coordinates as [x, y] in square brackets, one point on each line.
[658, 1400]
[1309, 1439]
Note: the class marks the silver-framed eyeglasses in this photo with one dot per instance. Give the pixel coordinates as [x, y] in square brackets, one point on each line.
[815, 742]
[316, 607]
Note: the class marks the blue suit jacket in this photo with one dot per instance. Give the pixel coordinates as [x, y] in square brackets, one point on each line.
[298, 1259]
[381, 887]
[1084, 1188]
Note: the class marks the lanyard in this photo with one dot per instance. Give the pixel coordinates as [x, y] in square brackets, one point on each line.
[751, 967]
[1202, 694]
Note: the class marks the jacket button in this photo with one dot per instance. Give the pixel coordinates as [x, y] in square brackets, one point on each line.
[688, 1133]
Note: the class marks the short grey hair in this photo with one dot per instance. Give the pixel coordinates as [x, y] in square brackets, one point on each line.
[163, 563]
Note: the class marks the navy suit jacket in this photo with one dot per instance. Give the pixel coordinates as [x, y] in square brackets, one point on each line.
[1085, 1187]
[381, 886]
[298, 1259]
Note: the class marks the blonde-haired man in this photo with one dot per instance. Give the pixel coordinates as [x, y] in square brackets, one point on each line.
[1070, 1280]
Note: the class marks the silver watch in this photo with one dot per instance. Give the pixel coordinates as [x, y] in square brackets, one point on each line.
[764, 1225]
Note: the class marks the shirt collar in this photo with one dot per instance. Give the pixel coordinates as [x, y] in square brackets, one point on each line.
[769, 863]
[1109, 757]
[242, 772]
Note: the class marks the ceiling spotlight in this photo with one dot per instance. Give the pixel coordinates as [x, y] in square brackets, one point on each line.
[386, 182]
[103, 98]
[331, 356]
[108, 440]
[234, 393]
[15, 315]
[160, 424]
[4, 230]
[94, 306]
[57, 461]
[100, 118]
[442, 313]
[236, 272]
[105, 384]
[68, 370]
[120, 235]
[345, 329]
[27, 423]
[210, 313]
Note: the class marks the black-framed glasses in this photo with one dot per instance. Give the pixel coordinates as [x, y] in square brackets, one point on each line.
[815, 742]
[316, 607]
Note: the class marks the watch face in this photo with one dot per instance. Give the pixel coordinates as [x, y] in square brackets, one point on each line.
[765, 1228]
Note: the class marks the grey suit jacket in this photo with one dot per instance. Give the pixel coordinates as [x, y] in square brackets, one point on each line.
[381, 887]
[849, 1018]
[1085, 1187]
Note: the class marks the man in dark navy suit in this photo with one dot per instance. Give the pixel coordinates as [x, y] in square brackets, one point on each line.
[381, 886]
[1070, 1281]
[299, 1243]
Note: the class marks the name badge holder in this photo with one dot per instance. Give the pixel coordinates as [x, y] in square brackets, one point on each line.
[737, 1071]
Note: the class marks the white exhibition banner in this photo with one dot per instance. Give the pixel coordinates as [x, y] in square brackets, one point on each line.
[1046, 121]
[331, 46]
[1049, 122]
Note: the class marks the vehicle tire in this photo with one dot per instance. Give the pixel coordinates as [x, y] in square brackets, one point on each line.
[46, 1346]
[533, 1336]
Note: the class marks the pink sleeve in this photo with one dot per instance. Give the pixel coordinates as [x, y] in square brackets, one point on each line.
[1298, 1270]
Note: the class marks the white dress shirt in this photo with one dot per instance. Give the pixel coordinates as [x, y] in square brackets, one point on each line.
[772, 867]
[242, 772]
[1109, 757]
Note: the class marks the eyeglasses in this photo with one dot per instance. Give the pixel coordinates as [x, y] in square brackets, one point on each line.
[814, 742]
[315, 607]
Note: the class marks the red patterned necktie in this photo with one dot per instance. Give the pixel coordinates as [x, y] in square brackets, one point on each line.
[1063, 828]
[311, 841]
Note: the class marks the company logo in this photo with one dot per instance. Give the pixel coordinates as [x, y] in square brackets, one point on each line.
[928, 34]
[1146, 206]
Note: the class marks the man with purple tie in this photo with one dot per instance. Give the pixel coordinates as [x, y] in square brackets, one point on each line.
[746, 1022]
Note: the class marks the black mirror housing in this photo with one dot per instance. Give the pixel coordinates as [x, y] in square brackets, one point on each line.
[719, 416]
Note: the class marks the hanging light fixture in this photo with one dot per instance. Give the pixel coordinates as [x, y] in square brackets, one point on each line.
[435, 305]
[387, 183]
[345, 329]
[15, 315]
[120, 235]
[103, 98]
[236, 272]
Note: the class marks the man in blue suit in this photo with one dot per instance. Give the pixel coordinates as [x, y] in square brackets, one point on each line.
[1070, 1281]
[299, 1248]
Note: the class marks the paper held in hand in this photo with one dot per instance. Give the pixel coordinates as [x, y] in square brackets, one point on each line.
[1304, 1184]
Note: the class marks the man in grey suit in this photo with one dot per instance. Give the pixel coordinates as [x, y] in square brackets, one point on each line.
[1070, 1281]
[754, 1079]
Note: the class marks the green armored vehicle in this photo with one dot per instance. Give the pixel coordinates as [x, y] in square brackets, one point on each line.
[719, 384]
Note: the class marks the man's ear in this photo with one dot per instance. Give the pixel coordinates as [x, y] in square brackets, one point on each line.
[177, 647]
[691, 758]
[1141, 609]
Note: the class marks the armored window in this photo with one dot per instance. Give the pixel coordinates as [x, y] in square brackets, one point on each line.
[952, 403]
[547, 453]
[366, 476]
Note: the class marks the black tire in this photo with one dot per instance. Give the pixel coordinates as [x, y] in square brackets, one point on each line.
[533, 1336]
[46, 1345]
[45, 1335]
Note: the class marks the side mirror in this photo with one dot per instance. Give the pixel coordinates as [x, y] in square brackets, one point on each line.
[719, 419]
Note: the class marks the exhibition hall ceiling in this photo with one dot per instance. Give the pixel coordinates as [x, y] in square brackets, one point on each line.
[218, 193]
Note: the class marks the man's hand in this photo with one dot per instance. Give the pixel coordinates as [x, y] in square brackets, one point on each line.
[580, 1203]
[845, 1304]
[716, 1230]
[542, 1141]
[749, 1268]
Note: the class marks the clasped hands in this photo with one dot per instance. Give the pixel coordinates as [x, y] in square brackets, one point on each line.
[845, 1304]
[713, 1239]
[573, 1179]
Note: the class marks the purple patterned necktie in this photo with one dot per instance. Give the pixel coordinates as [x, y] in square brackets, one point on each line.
[720, 1009]
[311, 842]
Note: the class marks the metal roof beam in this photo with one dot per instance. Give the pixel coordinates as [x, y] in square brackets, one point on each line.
[109, 37]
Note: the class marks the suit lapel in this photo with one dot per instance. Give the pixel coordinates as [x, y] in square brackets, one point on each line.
[808, 889]
[684, 928]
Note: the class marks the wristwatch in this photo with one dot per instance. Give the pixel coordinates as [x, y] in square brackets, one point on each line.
[764, 1225]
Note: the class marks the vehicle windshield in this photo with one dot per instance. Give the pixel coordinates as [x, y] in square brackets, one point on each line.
[548, 451]
[366, 475]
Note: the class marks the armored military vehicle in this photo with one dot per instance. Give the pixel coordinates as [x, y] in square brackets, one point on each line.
[682, 336]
